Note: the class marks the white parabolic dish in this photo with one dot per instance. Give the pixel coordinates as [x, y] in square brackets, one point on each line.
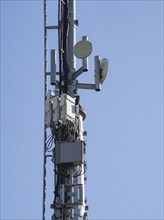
[82, 49]
[104, 66]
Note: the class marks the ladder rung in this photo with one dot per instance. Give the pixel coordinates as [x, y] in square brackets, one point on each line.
[49, 73]
[48, 155]
[52, 27]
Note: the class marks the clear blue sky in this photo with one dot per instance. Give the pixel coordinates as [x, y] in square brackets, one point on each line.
[124, 121]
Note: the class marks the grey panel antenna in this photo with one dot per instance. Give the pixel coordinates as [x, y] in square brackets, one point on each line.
[104, 66]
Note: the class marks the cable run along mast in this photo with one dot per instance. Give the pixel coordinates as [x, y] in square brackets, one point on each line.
[64, 116]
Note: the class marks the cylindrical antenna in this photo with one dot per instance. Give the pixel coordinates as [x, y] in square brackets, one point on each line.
[53, 67]
[97, 73]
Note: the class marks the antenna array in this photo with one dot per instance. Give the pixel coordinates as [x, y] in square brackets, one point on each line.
[64, 116]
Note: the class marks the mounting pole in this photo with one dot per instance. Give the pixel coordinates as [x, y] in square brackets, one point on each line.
[72, 33]
[71, 42]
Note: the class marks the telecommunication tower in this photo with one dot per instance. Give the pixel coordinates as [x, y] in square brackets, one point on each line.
[64, 116]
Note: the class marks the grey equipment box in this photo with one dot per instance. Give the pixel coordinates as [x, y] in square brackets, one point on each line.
[70, 153]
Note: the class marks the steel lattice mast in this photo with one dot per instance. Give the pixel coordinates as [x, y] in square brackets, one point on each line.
[64, 116]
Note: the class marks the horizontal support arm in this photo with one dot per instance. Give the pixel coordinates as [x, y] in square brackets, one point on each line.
[86, 86]
[84, 68]
[77, 73]
[52, 27]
